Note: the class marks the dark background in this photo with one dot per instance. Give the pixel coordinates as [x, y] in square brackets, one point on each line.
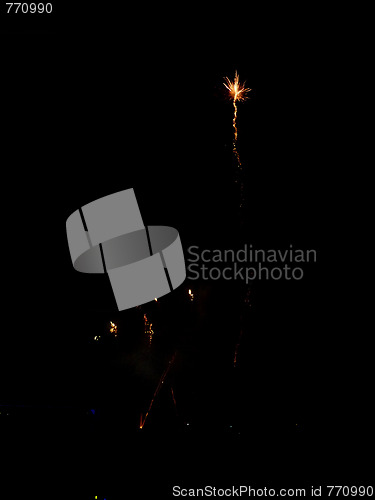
[99, 101]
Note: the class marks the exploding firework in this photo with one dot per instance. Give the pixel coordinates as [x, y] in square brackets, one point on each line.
[237, 93]
[237, 90]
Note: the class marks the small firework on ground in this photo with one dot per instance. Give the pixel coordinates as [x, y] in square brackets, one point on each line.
[149, 332]
[113, 328]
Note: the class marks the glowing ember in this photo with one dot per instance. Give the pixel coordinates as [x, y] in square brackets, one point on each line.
[191, 295]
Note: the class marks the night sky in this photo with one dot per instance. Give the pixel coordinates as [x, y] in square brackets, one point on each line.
[96, 103]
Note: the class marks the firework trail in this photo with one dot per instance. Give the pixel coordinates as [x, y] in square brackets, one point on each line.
[237, 93]
[157, 390]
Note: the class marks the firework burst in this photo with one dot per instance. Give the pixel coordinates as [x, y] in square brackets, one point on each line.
[237, 90]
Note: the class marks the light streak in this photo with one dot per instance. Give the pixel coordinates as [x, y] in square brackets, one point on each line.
[157, 390]
[191, 295]
[174, 400]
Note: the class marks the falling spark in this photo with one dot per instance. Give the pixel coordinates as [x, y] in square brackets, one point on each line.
[159, 386]
[191, 295]
[97, 337]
